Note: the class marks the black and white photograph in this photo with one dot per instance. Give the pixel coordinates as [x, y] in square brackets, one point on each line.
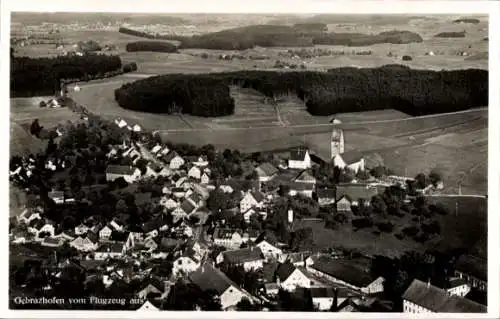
[250, 161]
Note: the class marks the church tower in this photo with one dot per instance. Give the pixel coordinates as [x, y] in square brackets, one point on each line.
[337, 142]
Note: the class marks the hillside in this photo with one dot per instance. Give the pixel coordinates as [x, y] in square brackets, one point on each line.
[22, 142]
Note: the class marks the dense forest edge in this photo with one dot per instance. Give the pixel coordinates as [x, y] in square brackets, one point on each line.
[298, 35]
[415, 92]
[43, 76]
[151, 46]
[450, 35]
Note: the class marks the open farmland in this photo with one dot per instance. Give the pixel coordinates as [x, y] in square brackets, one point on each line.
[25, 110]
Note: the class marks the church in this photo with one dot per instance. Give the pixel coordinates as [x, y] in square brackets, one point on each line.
[352, 159]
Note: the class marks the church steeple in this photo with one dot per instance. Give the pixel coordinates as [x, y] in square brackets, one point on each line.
[337, 141]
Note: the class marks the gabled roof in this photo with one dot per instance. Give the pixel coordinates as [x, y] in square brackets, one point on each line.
[225, 233]
[142, 198]
[243, 255]
[351, 157]
[345, 270]
[305, 177]
[259, 197]
[285, 270]
[120, 170]
[438, 300]
[266, 169]
[207, 277]
[298, 257]
[170, 156]
[298, 154]
[326, 193]
[187, 207]
[356, 191]
[297, 186]
[111, 247]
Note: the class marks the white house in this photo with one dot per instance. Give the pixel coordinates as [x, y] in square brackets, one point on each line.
[52, 242]
[130, 174]
[205, 179]
[304, 189]
[83, 244]
[269, 250]
[290, 277]
[353, 160]
[148, 306]
[109, 250]
[168, 203]
[116, 225]
[299, 159]
[226, 189]
[81, 229]
[266, 172]
[121, 123]
[322, 297]
[28, 215]
[202, 161]
[137, 128]
[105, 232]
[185, 265]
[458, 287]
[195, 172]
[157, 148]
[423, 297]
[252, 199]
[174, 160]
[228, 238]
[207, 277]
[40, 227]
[250, 258]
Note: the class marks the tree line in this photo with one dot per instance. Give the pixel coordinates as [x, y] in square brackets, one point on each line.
[451, 34]
[151, 46]
[416, 92]
[42, 76]
[299, 35]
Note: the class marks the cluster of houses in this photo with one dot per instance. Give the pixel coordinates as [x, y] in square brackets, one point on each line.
[333, 280]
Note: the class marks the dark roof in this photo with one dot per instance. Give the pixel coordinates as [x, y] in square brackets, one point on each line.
[456, 282]
[224, 233]
[285, 270]
[169, 243]
[268, 236]
[322, 292]
[325, 192]
[56, 194]
[298, 186]
[120, 170]
[269, 270]
[473, 266]
[298, 257]
[177, 190]
[438, 300]
[195, 197]
[356, 191]
[153, 224]
[298, 154]
[345, 270]
[208, 277]
[305, 177]
[244, 255]
[112, 247]
[259, 197]
[170, 156]
[351, 156]
[267, 169]
[187, 207]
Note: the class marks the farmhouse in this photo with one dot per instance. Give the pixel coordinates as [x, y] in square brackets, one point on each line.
[252, 199]
[266, 172]
[228, 238]
[304, 189]
[210, 278]
[174, 160]
[109, 250]
[268, 245]
[349, 195]
[299, 159]
[250, 258]
[194, 172]
[423, 297]
[185, 264]
[306, 178]
[290, 277]
[347, 273]
[353, 160]
[84, 243]
[130, 174]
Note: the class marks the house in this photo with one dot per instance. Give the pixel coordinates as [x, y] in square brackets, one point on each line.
[226, 189]
[81, 229]
[194, 172]
[28, 215]
[201, 161]
[353, 160]
[65, 235]
[348, 195]
[228, 238]
[196, 199]
[52, 242]
[163, 152]
[21, 237]
[474, 270]
[304, 189]
[458, 287]
[290, 277]
[132, 240]
[86, 243]
[168, 203]
[326, 196]
[266, 172]
[174, 160]
[39, 227]
[157, 148]
[59, 198]
[347, 273]
[116, 224]
[178, 192]
[271, 288]
[298, 259]
[185, 264]
[109, 250]
[305, 177]
[153, 227]
[136, 128]
[105, 232]
[252, 199]
[129, 173]
[299, 159]
[250, 258]
[209, 278]
[205, 179]
[423, 297]
[267, 244]
[186, 208]
[150, 244]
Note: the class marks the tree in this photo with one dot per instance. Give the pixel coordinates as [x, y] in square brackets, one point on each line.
[302, 239]
[35, 128]
[379, 205]
[421, 181]
[434, 177]
[363, 175]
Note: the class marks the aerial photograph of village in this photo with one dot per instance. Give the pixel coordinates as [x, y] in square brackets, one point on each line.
[248, 162]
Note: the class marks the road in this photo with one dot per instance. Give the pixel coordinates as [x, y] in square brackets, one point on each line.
[457, 195]
[476, 110]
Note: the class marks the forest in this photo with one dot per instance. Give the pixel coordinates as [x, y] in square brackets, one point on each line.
[42, 76]
[151, 46]
[416, 92]
[299, 35]
[450, 35]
